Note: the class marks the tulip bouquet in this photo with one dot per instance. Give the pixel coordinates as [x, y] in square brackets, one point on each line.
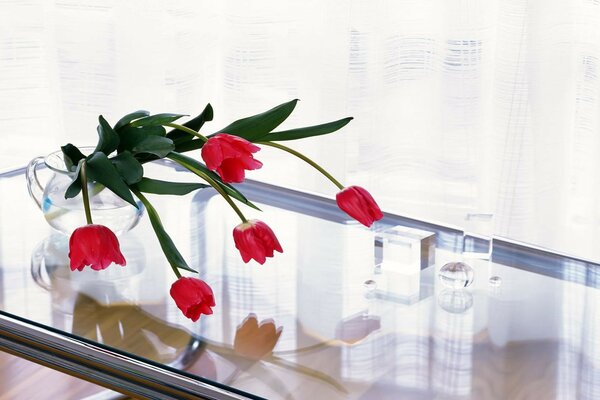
[117, 164]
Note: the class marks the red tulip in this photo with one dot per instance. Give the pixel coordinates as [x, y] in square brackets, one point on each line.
[193, 297]
[359, 204]
[255, 240]
[94, 245]
[230, 156]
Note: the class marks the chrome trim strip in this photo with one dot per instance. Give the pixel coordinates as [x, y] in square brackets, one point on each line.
[109, 368]
[106, 395]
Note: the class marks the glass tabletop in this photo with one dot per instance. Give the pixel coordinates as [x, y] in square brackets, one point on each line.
[338, 315]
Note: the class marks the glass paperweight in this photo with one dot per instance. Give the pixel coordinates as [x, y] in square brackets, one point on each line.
[477, 237]
[402, 245]
[400, 255]
[456, 275]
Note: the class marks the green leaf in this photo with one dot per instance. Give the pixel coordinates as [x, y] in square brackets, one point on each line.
[73, 189]
[308, 131]
[256, 127]
[196, 166]
[157, 145]
[100, 169]
[141, 131]
[128, 167]
[131, 136]
[71, 155]
[75, 186]
[130, 117]
[189, 145]
[158, 119]
[109, 139]
[155, 186]
[179, 136]
[166, 243]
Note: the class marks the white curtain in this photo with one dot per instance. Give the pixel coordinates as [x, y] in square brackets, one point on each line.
[460, 105]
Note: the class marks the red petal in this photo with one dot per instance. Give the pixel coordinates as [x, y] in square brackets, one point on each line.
[211, 154]
[359, 204]
[232, 170]
[94, 245]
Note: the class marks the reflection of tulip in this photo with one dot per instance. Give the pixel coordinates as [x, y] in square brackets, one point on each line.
[359, 204]
[255, 240]
[230, 156]
[254, 341]
[94, 245]
[193, 297]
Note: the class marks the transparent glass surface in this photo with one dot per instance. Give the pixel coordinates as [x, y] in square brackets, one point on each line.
[305, 324]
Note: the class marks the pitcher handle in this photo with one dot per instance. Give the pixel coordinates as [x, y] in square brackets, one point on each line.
[35, 188]
[37, 259]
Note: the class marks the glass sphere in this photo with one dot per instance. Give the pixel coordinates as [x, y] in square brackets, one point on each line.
[456, 275]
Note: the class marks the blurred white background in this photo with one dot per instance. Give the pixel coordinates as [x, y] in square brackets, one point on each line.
[460, 105]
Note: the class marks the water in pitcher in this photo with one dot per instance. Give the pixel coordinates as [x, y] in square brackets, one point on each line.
[66, 215]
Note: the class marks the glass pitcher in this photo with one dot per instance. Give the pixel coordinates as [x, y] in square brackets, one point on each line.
[66, 215]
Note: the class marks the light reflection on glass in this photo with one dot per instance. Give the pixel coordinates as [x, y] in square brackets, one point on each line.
[452, 352]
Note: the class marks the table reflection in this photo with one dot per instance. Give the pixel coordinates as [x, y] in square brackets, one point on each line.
[301, 325]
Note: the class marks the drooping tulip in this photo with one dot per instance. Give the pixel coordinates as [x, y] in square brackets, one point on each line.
[255, 240]
[94, 245]
[230, 156]
[193, 297]
[359, 204]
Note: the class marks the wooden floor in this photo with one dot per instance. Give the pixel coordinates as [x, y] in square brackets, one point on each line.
[24, 380]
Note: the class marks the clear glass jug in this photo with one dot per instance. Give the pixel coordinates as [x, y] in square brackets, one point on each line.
[66, 215]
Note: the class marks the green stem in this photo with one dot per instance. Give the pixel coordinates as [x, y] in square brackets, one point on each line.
[187, 130]
[84, 193]
[212, 183]
[305, 159]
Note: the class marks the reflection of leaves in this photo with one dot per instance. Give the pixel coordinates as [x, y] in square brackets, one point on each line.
[308, 372]
[356, 328]
[127, 327]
